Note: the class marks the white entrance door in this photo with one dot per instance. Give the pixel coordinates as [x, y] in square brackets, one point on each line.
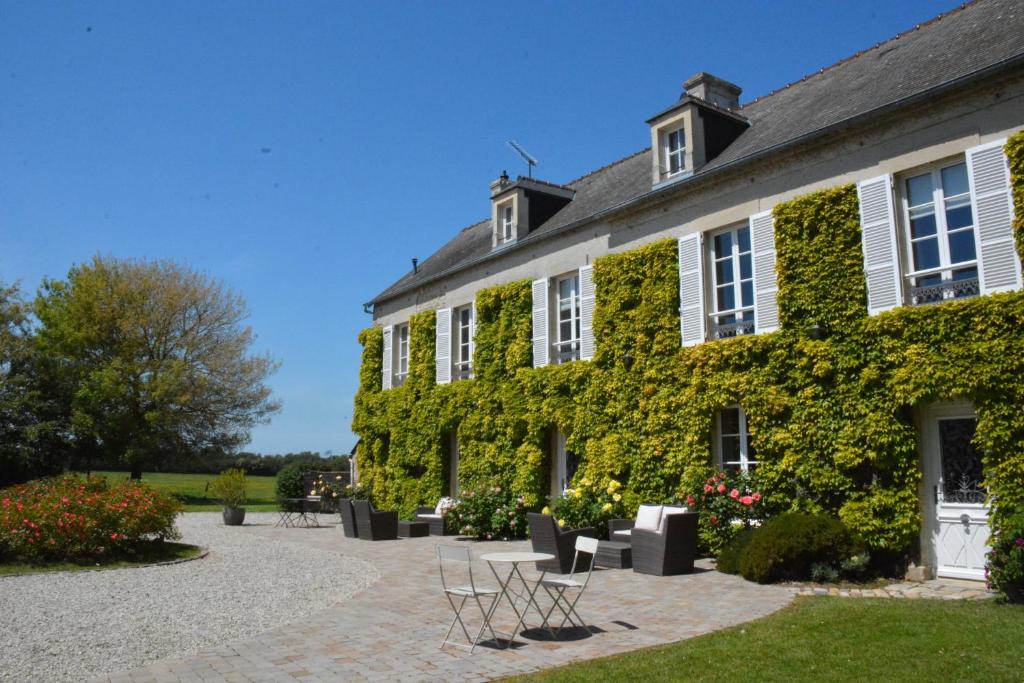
[953, 475]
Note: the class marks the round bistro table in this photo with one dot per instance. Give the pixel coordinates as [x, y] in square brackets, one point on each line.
[513, 593]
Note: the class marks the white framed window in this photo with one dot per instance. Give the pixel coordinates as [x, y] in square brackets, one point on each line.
[401, 354]
[507, 223]
[462, 343]
[732, 282]
[567, 310]
[675, 151]
[940, 234]
[733, 450]
[564, 464]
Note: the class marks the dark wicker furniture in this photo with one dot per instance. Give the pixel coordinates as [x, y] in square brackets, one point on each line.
[670, 550]
[348, 517]
[617, 525]
[375, 525]
[409, 529]
[430, 516]
[614, 554]
[547, 537]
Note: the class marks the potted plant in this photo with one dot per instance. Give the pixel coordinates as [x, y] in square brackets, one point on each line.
[229, 489]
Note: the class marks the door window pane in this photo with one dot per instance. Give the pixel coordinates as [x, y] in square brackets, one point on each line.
[958, 214]
[961, 246]
[919, 189]
[922, 224]
[954, 180]
[926, 254]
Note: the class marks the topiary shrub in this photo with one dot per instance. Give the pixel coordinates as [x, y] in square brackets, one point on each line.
[290, 483]
[787, 547]
[729, 557]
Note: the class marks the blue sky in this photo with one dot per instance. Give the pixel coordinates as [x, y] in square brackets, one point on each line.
[304, 152]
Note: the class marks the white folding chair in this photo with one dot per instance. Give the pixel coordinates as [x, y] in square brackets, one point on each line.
[461, 556]
[559, 588]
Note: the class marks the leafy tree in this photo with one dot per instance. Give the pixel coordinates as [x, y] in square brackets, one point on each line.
[158, 359]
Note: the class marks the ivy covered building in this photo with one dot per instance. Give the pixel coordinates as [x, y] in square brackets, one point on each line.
[822, 285]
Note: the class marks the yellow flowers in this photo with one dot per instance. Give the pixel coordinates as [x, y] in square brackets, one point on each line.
[561, 522]
[607, 507]
[546, 510]
[585, 483]
[613, 486]
[617, 497]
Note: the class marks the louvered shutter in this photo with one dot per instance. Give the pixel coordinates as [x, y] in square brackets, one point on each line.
[691, 289]
[878, 239]
[443, 346]
[540, 322]
[989, 176]
[762, 240]
[386, 365]
[587, 298]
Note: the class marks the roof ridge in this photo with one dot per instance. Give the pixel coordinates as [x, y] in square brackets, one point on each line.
[876, 46]
[606, 167]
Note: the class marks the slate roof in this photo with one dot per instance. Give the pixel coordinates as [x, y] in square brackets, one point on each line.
[953, 48]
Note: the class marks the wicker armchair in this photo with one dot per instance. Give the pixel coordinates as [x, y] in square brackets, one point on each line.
[547, 537]
[348, 518]
[375, 525]
[670, 550]
[615, 526]
[433, 518]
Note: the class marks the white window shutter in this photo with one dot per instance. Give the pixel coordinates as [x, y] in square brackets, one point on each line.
[878, 239]
[766, 287]
[386, 365]
[443, 346]
[989, 175]
[691, 289]
[540, 322]
[587, 299]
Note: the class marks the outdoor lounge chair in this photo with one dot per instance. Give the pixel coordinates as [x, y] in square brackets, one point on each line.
[547, 537]
[669, 550]
[434, 516]
[348, 517]
[375, 525]
[649, 516]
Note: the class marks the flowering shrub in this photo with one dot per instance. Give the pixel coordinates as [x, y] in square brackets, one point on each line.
[727, 503]
[72, 518]
[1005, 569]
[588, 505]
[357, 491]
[328, 487]
[488, 512]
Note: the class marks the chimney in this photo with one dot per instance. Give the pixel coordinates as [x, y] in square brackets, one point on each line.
[713, 89]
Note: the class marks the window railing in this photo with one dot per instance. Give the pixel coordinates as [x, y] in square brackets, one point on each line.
[462, 370]
[936, 285]
[399, 379]
[567, 351]
[726, 324]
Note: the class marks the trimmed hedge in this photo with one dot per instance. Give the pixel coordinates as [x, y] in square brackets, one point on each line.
[787, 547]
[832, 419]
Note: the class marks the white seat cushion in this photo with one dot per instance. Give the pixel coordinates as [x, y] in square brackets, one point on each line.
[669, 511]
[648, 517]
[623, 535]
[428, 516]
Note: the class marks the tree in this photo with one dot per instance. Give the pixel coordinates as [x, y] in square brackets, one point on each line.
[158, 357]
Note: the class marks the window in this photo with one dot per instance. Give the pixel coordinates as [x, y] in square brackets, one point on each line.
[733, 450]
[462, 351]
[401, 354]
[567, 346]
[732, 275]
[675, 151]
[507, 223]
[940, 234]
[564, 464]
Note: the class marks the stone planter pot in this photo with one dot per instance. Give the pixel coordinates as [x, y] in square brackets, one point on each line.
[234, 516]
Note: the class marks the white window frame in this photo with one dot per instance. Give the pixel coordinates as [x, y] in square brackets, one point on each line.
[739, 326]
[567, 349]
[462, 352]
[507, 219]
[401, 363]
[745, 460]
[948, 288]
[679, 153]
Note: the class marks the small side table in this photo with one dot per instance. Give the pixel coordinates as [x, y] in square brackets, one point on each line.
[412, 529]
[614, 554]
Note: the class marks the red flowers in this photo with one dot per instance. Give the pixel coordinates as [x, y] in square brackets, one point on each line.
[734, 494]
[691, 501]
[708, 488]
[721, 488]
[747, 500]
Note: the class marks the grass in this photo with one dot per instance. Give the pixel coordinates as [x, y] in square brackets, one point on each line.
[834, 639]
[147, 554]
[191, 489]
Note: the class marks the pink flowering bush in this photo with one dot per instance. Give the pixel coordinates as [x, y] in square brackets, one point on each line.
[487, 513]
[728, 503]
[1004, 571]
[74, 518]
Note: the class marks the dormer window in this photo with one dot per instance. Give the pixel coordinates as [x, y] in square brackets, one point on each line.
[507, 223]
[675, 150]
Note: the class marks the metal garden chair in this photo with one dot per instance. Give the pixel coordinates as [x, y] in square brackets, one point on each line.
[560, 589]
[461, 594]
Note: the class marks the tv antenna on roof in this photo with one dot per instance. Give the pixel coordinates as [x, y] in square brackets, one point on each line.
[530, 161]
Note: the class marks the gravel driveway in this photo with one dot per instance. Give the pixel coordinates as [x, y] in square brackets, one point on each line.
[73, 626]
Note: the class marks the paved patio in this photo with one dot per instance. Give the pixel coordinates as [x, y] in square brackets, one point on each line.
[392, 630]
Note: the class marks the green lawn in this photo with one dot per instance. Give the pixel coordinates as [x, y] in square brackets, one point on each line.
[835, 639]
[151, 554]
[191, 489]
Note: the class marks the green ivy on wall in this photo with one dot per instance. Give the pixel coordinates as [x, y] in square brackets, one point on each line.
[832, 417]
